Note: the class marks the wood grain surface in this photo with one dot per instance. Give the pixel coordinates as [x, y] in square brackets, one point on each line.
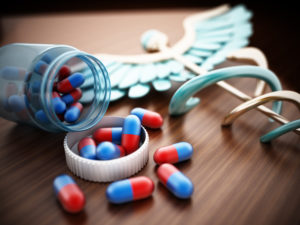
[237, 179]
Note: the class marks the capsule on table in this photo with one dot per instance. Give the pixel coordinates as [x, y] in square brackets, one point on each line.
[72, 97]
[70, 83]
[87, 148]
[40, 67]
[58, 104]
[148, 118]
[131, 133]
[175, 181]
[173, 153]
[129, 190]
[113, 134]
[64, 72]
[73, 113]
[108, 150]
[68, 193]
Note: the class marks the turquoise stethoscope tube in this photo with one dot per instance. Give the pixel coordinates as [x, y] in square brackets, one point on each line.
[280, 131]
[182, 101]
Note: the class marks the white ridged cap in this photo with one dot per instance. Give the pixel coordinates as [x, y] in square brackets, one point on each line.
[105, 170]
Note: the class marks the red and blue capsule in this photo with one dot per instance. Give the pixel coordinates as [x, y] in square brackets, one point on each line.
[70, 83]
[68, 193]
[113, 134]
[131, 133]
[148, 118]
[64, 72]
[107, 150]
[72, 97]
[173, 153]
[58, 104]
[87, 148]
[175, 181]
[73, 113]
[40, 67]
[12, 73]
[130, 190]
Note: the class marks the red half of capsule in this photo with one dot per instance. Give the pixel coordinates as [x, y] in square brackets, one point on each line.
[148, 118]
[152, 120]
[71, 198]
[64, 72]
[166, 154]
[130, 142]
[142, 187]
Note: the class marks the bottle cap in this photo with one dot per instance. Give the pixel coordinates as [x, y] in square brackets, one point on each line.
[105, 170]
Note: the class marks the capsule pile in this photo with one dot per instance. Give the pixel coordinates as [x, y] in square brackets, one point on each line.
[66, 92]
[112, 143]
[116, 142]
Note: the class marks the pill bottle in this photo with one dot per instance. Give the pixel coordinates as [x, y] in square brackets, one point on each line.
[28, 75]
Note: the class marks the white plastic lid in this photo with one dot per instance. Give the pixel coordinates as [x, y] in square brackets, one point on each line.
[105, 170]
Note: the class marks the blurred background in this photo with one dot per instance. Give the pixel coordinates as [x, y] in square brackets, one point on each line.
[276, 24]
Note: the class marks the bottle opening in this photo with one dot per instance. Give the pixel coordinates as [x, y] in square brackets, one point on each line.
[68, 92]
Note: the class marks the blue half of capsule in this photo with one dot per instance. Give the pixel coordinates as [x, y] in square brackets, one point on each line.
[180, 185]
[184, 150]
[88, 152]
[76, 79]
[40, 67]
[119, 192]
[59, 105]
[61, 181]
[47, 58]
[132, 125]
[116, 134]
[107, 150]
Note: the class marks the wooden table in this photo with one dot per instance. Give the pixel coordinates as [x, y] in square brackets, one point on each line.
[237, 179]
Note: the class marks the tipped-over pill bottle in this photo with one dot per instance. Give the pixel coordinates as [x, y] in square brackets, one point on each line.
[53, 87]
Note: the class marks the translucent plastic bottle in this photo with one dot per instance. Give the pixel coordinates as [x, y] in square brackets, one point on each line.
[28, 74]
